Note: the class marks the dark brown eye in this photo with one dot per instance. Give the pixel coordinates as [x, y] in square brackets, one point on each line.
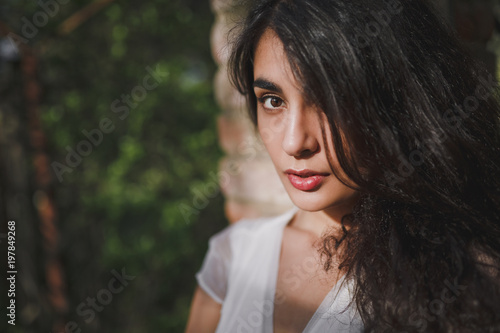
[275, 102]
[271, 102]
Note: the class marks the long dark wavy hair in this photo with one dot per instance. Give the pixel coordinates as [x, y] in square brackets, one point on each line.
[420, 120]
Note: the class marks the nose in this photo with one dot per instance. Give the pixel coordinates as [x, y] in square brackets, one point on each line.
[300, 138]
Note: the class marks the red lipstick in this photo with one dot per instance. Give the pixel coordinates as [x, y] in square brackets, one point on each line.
[305, 180]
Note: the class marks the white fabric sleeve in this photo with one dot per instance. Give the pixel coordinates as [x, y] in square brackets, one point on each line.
[214, 272]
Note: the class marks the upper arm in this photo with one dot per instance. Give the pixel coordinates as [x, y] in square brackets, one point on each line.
[205, 313]
[212, 285]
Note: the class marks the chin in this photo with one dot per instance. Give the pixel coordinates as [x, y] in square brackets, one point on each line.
[309, 201]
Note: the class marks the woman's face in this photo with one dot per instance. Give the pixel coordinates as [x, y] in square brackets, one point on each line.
[291, 131]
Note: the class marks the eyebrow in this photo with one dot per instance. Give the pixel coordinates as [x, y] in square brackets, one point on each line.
[267, 85]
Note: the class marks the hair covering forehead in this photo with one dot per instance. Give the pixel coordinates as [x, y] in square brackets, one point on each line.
[318, 44]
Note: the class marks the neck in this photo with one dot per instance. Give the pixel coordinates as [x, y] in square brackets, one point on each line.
[324, 221]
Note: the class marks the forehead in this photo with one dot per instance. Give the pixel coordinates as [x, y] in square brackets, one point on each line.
[270, 60]
[268, 40]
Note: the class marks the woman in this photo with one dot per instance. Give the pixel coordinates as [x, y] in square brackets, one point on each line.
[386, 137]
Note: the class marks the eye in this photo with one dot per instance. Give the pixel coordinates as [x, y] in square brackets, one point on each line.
[271, 102]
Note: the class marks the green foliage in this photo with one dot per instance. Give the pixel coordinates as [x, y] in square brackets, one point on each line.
[119, 207]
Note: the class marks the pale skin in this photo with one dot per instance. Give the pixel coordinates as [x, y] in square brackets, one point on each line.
[291, 131]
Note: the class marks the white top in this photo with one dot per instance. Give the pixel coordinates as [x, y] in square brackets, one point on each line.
[240, 272]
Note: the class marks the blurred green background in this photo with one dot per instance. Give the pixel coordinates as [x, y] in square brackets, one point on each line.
[119, 207]
[135, 76]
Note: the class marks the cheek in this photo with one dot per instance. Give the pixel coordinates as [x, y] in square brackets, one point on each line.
[271, 133]
[269, 139]
[272, 143]
[271, 126]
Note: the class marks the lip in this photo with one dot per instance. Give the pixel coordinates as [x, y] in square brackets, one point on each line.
[305, 180]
